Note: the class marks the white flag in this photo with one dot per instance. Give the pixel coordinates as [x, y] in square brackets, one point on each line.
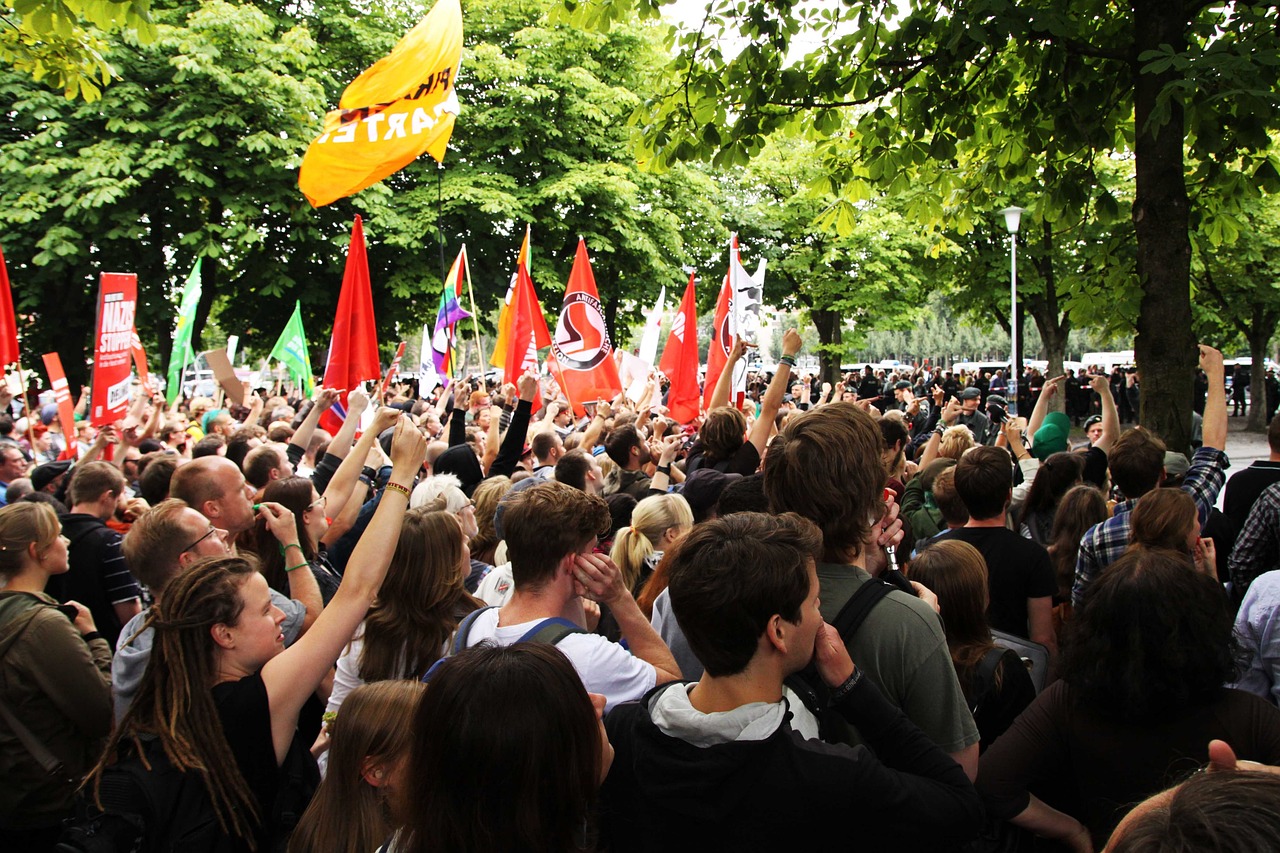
[652, 327]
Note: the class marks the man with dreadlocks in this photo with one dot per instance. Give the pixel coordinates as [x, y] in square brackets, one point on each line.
[221, 697]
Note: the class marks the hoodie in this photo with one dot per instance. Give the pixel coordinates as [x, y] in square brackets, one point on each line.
[744, 779]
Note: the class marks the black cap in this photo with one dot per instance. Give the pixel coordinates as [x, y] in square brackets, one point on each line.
[998, 400]
[970, 394]
[1091, 420]
[901, 384]
[45, 474]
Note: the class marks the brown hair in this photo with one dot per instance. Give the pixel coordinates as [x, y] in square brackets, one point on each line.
[1226, 811]
[455, 754]
[953, 510]
[573, 467]
[260, 462]
[486, 498]
[1163, 518]
[826, 466]
[154, 543]
[89, 480]
[1080, 508]
[723, 433]
[420, 602]
[957, 573]
[545, 523]
[731, 575]
[984, 476]
[1136, 462]
[375, 724]
[174, 702]
[20, 525]
[294, 494]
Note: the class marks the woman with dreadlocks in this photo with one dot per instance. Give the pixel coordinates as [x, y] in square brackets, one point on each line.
[222, 695]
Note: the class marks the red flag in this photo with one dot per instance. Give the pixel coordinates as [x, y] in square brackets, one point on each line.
[680, 359]
[527, 332]
[721, 340]
[582, 348]
[353, 350]
[140, 362]
[8, 322]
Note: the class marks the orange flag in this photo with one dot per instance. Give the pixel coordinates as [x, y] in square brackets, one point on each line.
[680, 359]
[398, 108]
[527, 331]
[582, 348]
[499, 356]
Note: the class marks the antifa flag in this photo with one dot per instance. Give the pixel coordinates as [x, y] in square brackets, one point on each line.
[582, 348]
[398, 108]
[353, 350]
[680, 359]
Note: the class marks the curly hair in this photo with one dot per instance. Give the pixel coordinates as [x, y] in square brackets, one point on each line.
[1152, 638]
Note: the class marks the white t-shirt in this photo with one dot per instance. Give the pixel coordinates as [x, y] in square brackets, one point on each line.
[604, 667]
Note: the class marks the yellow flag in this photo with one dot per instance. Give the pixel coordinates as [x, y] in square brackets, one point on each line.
[398, 108]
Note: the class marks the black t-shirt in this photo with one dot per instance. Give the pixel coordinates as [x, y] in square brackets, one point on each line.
[1245, 487]
[283, 791]
[1017, 569]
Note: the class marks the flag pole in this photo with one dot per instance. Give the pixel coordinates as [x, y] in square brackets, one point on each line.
[475, 315]
[26, 405]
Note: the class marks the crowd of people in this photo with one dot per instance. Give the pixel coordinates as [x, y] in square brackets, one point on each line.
[884, 614]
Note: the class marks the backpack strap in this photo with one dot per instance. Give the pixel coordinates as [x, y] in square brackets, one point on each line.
[551, 630]
[464, 629]
[859, 607]
[984, 675]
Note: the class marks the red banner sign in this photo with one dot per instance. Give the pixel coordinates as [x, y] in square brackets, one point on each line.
[62, 395]
[112, 376]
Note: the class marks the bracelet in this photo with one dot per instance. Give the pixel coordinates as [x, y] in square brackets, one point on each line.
[849, 683]
[368, 481]
[284, 548]
[299, 566]
[396, 487]
[366, 471]
[91, 636]
[788, 360]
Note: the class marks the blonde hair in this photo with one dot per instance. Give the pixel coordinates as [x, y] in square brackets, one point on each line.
[651, 518]
[20, 525]
[955, 441]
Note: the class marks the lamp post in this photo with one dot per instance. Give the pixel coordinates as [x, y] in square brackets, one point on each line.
[1012, 219]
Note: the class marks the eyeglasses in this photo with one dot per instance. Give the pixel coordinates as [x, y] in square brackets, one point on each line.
[210, 532]
[321, 501]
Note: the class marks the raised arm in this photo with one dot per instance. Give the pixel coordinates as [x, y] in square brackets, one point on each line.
[763, 426]
[324, 398]
[1110, 417]
[720, 394]
[1051, 387]
[338, 492]
[591, 435]
[603, 580]
[293, 675]
[1214, 428]
[513, 441]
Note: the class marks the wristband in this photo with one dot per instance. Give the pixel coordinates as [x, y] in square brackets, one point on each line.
[299, 566]
[368, 481]
[92, 635]
[845, 689]
[788, 360]
[368, 472]
[284, 548]
[664, 469]
[396, 487]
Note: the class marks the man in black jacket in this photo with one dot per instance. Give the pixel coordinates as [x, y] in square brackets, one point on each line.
[721, 764]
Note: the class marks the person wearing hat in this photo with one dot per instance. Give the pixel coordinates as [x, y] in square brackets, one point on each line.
[49, 476]
[914, 409]
[702, 491]
[984, 432]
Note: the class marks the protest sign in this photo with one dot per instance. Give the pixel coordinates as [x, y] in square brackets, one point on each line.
[113, 353]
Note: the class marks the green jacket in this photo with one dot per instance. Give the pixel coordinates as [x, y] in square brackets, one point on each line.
[59, 686]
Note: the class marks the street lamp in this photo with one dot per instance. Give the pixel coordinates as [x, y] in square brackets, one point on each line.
[1013, 218]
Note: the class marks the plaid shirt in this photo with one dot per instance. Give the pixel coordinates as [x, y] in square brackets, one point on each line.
[1103, 543]
[1258, 545]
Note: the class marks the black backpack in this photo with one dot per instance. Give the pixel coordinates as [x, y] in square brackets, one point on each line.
[808, 684]
[156, 810]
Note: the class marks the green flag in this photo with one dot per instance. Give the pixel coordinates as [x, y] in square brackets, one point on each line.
[292, 350]
[182, 353]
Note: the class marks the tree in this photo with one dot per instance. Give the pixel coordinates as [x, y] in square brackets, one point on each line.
[1005, 81]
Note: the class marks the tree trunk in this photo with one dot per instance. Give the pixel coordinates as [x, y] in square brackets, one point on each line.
[1053, 329]
[209, 268]
[1261, 327]
[831, 336]
[1165, 347]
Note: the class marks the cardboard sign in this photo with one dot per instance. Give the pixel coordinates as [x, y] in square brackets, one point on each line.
[62, 396]
[113, 353]
[226, 375]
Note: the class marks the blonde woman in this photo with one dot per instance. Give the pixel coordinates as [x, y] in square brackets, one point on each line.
[657, 523]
